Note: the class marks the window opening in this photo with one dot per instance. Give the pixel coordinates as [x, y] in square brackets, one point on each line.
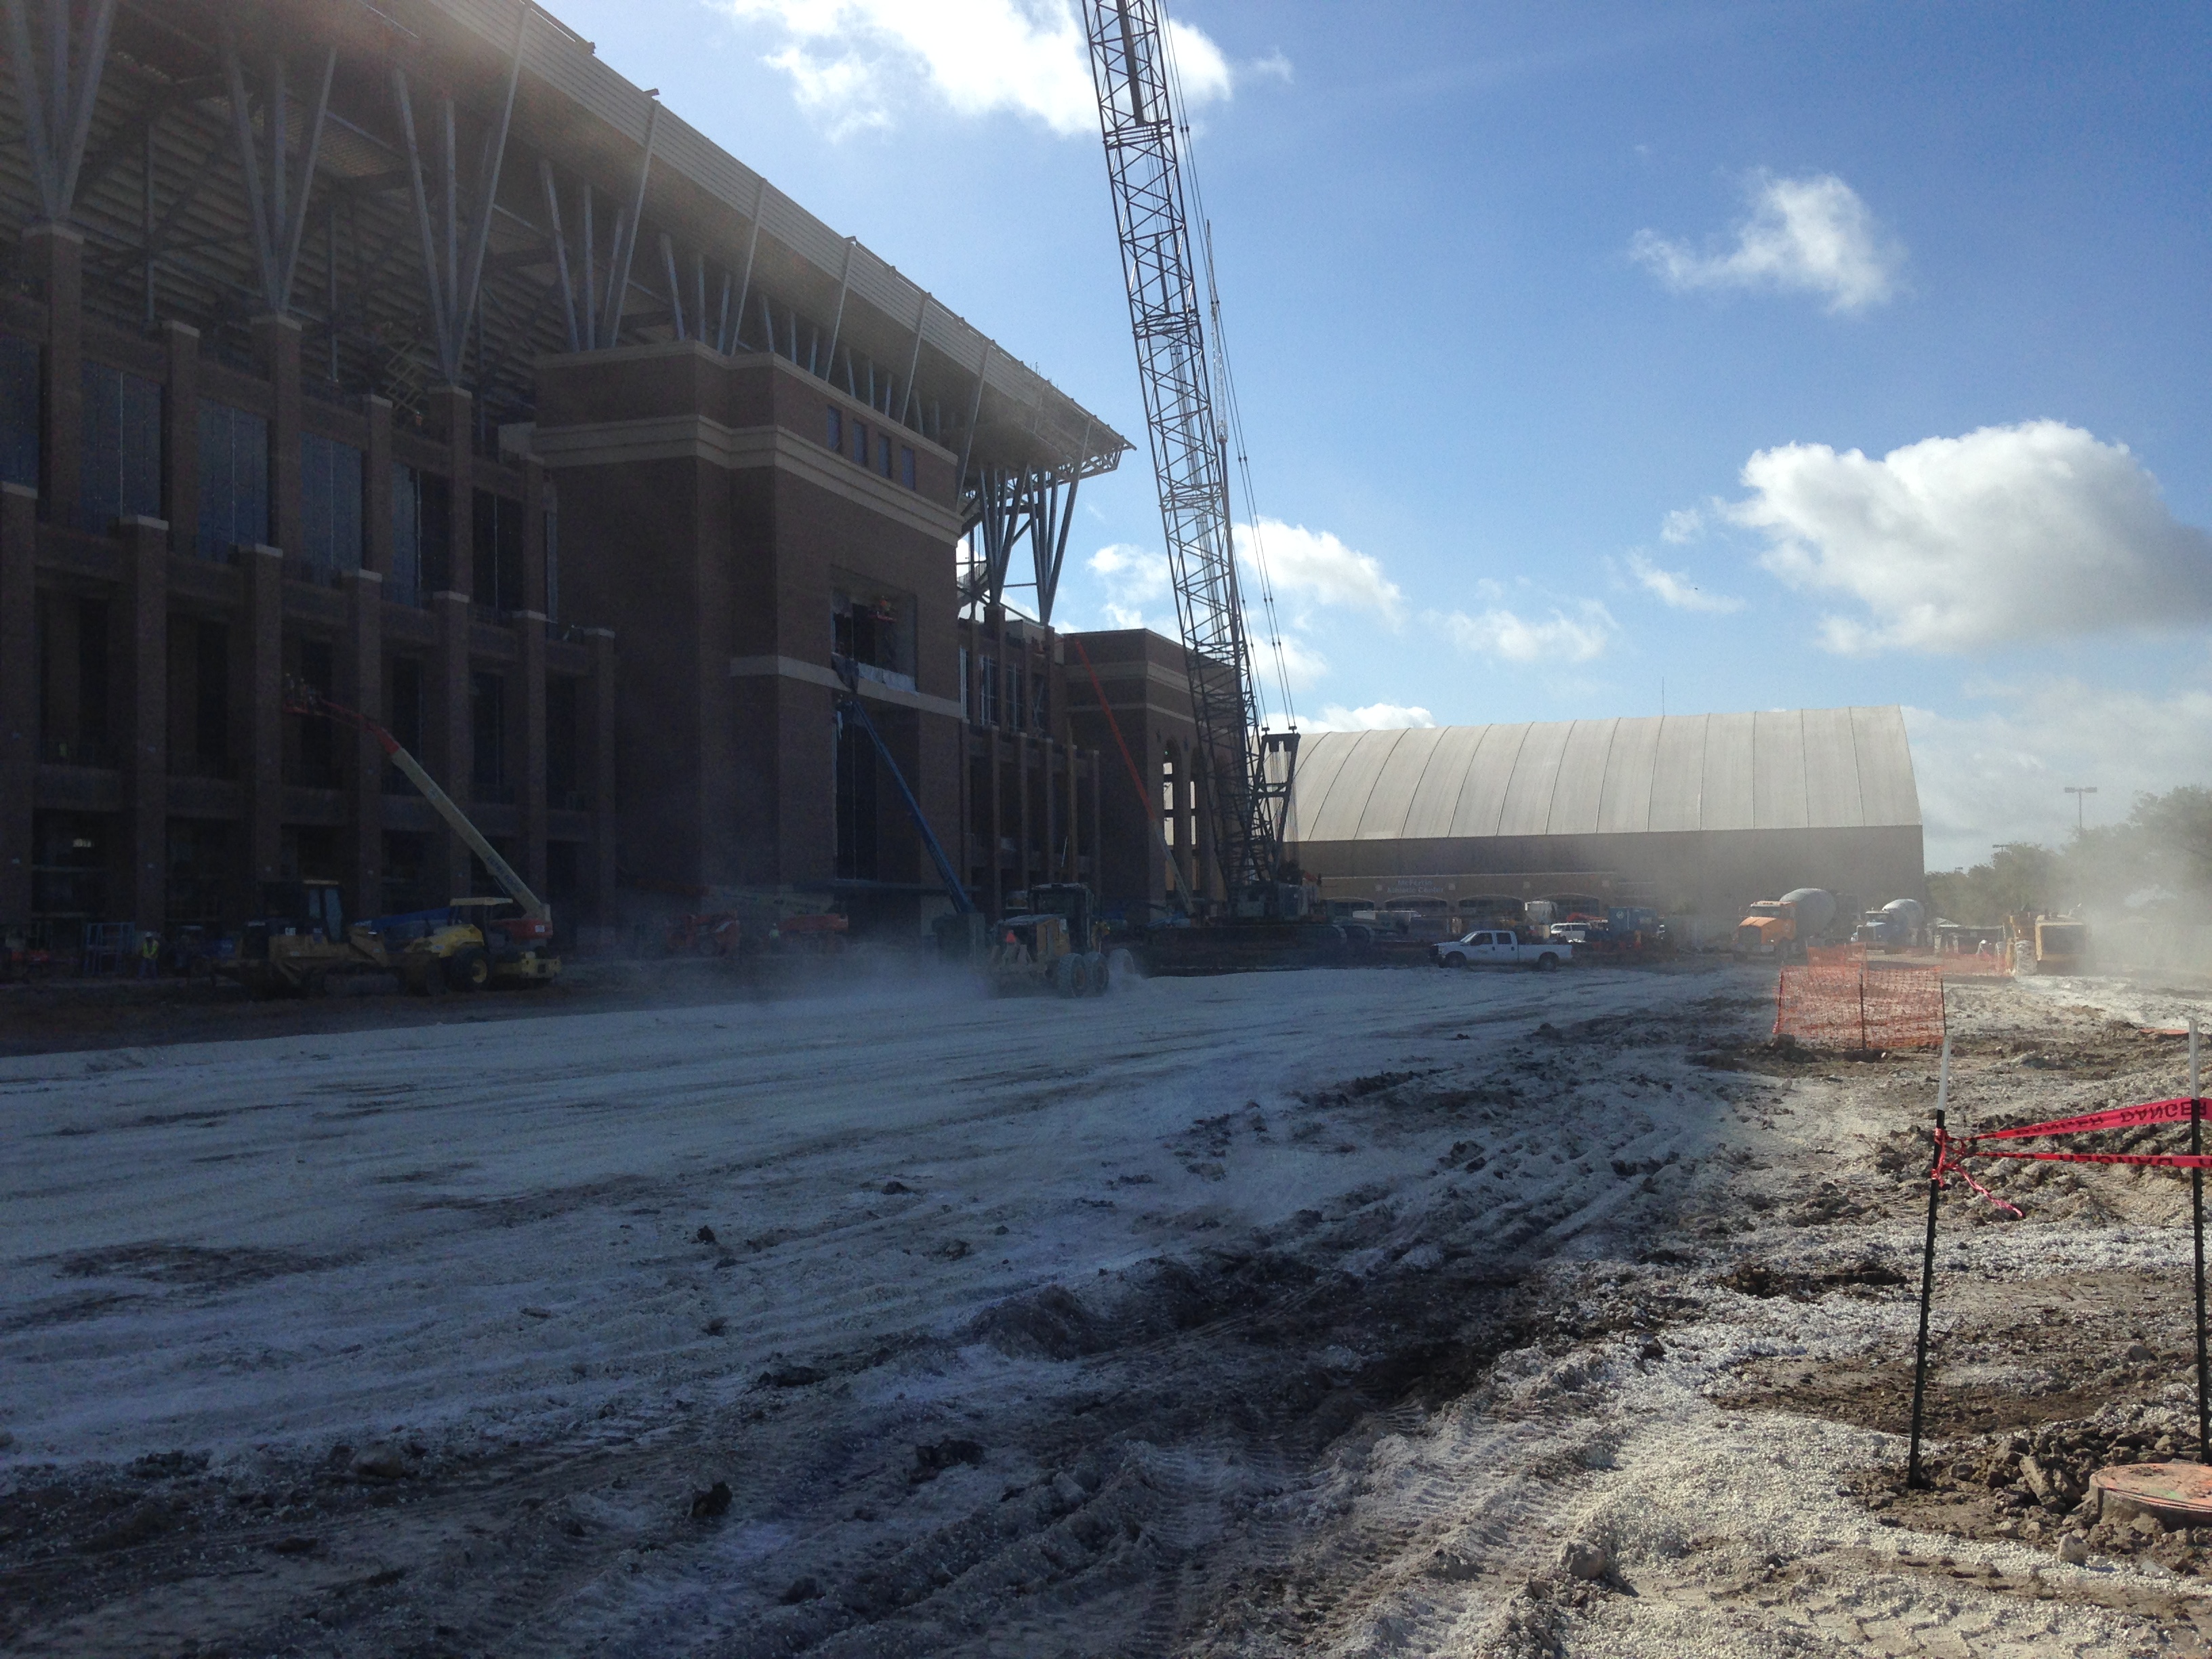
[234, 480]
[330, 500]
[855, 803]
[497, 543]
[488, 735]
[564, 790]
[316, 738]
[122, 463]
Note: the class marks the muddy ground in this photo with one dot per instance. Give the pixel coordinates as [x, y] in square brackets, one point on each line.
[1354, 1312]
[59, 1015]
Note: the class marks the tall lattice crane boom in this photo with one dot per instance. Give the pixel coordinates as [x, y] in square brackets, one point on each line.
[1135, 77]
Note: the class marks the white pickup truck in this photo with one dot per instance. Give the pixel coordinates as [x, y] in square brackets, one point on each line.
[1503, 946]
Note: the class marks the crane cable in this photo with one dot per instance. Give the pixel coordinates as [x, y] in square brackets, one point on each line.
[1234, 432]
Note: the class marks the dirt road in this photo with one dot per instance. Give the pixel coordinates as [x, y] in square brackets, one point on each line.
[1345, 1312]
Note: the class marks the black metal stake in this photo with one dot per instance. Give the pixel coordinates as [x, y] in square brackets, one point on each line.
[2196, 1215]
[1912, 1475]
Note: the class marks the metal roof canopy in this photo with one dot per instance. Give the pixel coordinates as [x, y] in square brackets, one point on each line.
[175, 219]
[1816, 768]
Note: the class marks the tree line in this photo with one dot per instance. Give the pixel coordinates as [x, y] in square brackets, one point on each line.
[2160, 853]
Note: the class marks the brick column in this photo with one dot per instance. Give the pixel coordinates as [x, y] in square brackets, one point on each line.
[529, 797]
[277, 343]
[991, 741]
[963, 857]
[452, 411]
[533, 538]
[1074, 803]
[180, 437]
[604, 868]
[1022, 784]
[1098, 847]
[54, 255]
[360, 685]
[1048, 801]
[146, 716]
[448, 737]
[257, 709]
[19, 695]
[1186, 790]
[376, 490]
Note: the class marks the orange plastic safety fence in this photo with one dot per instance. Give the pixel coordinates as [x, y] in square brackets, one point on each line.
[1854, 1007]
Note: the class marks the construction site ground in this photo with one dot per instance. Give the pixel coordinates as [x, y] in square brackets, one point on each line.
[1359, 1312]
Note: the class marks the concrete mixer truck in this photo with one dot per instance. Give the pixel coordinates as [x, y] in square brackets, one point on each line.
[1783, 928]
[1898, 926]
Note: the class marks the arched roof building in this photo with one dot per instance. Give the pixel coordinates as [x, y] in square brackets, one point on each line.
[1695, 814]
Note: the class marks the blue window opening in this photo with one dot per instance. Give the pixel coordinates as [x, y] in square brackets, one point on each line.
[329, 501]
[122, 447]
[234, 480]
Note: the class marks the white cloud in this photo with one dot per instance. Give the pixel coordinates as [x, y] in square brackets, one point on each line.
[1314, 564]
[1673, 588]
[1684, 524]
[1375, 717]
[2000, 774]
[853, 61]
[1302, 663]
[1810, 235]
[1510, 637]
[2008, 533]
[1133, 578]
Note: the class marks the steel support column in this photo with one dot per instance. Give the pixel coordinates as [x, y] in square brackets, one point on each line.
[59, 88]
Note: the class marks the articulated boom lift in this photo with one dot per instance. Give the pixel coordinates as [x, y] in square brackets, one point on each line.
[1247, 770]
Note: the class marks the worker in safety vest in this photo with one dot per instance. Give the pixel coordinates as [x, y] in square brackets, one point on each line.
[150, 956]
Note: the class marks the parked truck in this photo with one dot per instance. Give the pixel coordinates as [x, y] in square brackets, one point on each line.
[1783, 928]
[1900, 924]
[1502, 947]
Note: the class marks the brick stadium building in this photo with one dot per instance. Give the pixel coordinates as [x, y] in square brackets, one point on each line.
[409, 352]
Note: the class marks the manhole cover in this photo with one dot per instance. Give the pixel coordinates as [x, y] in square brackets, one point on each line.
[2179, 1493]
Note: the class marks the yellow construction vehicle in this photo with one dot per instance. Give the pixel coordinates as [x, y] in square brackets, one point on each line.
[464, 947]
[1056, 944]
[474, 950]
[2046, 945]
[301, 945]
[1034, 952]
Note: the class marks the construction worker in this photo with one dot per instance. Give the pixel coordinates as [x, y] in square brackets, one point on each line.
[150, 956]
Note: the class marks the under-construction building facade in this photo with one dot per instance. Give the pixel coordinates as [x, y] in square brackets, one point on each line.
[408, 353]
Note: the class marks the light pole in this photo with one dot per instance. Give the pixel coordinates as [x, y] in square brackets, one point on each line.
[2081, 793]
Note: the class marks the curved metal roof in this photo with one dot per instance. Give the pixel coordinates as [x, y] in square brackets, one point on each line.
[1810, 769]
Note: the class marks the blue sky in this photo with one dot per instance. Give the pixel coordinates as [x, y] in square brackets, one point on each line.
[1556, 326]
